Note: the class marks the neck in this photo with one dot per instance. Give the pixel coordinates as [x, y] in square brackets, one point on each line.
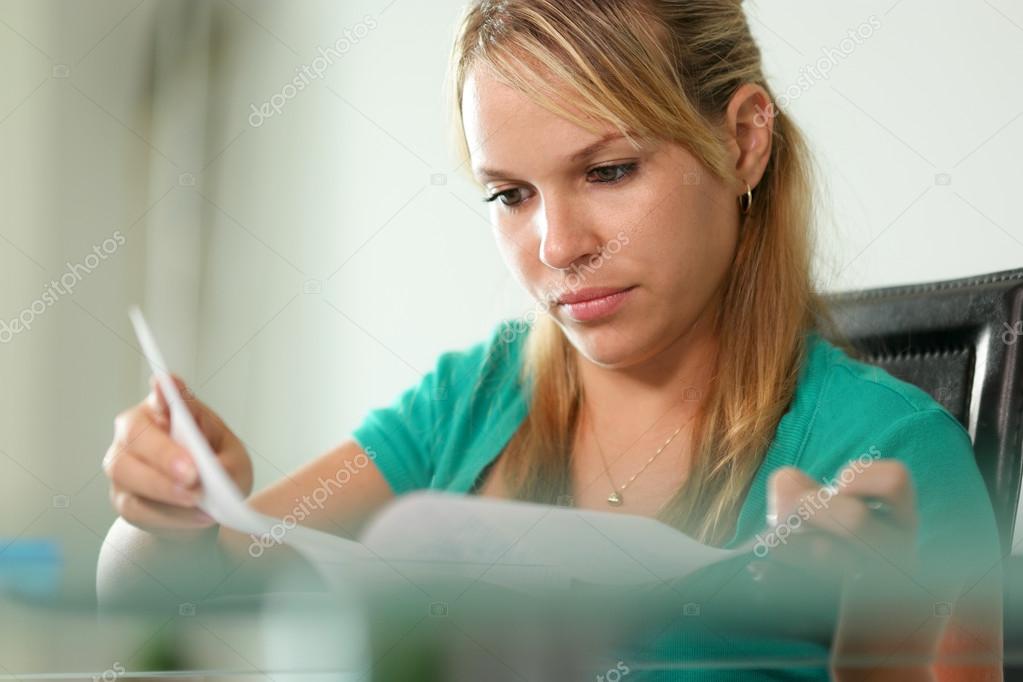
[652, 398]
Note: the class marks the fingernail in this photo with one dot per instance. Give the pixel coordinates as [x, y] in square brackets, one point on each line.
[184, 470]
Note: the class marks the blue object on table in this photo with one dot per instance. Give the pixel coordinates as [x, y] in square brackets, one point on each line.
[30, 568]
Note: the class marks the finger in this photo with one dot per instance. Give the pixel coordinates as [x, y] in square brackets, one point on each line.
[154, 399]
[887, 481]
[849, 518]
[150, 515]
[799, 507]
[129, 473]
[206, 419]
[796, 498]
[136, 432]
[788, 489]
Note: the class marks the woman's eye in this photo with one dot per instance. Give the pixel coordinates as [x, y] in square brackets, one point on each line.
[508, 197]
[614, 173]
[605, 175]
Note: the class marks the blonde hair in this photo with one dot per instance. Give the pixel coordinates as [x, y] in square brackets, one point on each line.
[664, 69]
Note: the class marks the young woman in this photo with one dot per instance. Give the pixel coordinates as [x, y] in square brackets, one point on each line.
[650, 197]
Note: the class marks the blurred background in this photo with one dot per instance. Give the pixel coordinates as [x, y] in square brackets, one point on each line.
[305, 253]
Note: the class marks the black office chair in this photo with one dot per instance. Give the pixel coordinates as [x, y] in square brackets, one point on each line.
[961, 341]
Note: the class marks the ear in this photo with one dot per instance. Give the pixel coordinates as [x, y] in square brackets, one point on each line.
[749, 122]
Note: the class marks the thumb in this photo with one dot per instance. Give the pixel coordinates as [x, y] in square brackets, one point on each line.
[158, 401]
[786, 490]
[209, 423]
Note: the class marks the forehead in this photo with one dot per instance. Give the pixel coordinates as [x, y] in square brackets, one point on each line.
[506, 129]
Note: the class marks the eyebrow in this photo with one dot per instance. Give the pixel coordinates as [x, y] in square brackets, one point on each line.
[575, 157]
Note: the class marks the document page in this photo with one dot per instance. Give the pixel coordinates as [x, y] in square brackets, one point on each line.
[438, 535]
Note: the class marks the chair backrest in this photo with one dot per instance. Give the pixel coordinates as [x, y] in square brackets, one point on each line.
[961, 341]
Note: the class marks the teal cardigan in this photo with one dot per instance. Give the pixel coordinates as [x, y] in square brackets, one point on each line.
[445, 431]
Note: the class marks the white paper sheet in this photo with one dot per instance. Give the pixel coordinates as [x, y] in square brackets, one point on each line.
[502, 538]
[428, 535]
[221, 498]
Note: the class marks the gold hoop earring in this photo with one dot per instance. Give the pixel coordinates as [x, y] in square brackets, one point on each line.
[745, 206]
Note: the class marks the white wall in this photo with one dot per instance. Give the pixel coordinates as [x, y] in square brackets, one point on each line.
[306, 269]
[916, 131]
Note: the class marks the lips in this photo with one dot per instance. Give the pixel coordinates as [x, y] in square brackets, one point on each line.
[590, 294]
[589, 306]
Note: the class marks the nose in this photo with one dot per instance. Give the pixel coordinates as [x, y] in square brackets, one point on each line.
[565, 234]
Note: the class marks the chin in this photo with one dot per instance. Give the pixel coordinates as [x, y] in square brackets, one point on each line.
[606, 345]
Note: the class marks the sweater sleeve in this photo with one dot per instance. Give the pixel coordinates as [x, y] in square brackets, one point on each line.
[399, 437]
[406, 438]
[957, 538]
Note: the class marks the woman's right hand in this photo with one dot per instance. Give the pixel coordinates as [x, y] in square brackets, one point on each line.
[154, 484]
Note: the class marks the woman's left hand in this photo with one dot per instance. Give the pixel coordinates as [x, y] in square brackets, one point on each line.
[862, 528]
[867, 515]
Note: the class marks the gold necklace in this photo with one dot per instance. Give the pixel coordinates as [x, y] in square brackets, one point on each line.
[615, 499]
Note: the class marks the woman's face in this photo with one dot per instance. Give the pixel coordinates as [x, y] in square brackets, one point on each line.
[647, 235]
